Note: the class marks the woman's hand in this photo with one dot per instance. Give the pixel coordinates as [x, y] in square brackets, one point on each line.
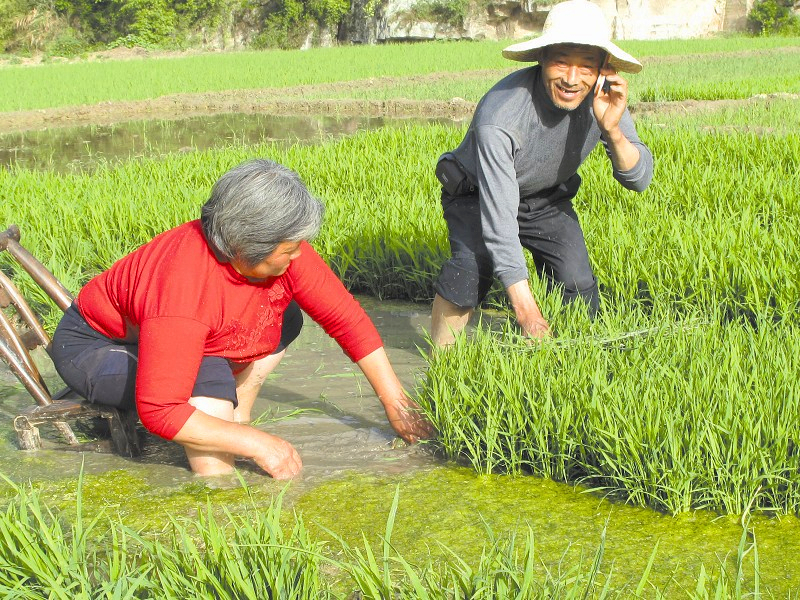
[211, 443]
[278, 458]
[406, 418]
[404, 415]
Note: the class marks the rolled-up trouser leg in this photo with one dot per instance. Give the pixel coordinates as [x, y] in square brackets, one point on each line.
[466, 277]
[553, 235]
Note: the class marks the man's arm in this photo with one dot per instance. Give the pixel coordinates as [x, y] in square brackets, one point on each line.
[499, 203]
[499, 197]
[608, 110]
[527, 311]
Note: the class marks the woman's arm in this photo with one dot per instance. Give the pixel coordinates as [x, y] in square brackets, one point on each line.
[404, 415]
[205, 433]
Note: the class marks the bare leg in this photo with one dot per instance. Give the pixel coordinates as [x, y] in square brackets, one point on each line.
[447, 321]
[248, 384]
[207, 462]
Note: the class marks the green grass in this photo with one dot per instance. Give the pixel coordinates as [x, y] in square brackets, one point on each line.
[700, 235]
[255, 554]
[711, 68]
[697, 413]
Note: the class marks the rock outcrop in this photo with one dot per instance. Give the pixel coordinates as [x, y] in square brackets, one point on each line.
[405, 20]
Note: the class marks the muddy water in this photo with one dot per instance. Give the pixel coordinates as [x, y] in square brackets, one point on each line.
[81, 148]
[352, 466]
[317, 399]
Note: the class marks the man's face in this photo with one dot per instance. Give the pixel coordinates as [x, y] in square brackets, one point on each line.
[570, 72]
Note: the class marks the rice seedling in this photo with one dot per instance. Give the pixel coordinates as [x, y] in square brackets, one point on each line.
[243, 555]
[735, 67]
[43, 557]
[691, 416]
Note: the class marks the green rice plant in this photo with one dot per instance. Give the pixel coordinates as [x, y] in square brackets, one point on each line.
[691, 414]
[712, 229]
[735, 67]
[43, 558]
[240, 556]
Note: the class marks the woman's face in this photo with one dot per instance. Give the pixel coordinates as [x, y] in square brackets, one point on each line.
[273, 265]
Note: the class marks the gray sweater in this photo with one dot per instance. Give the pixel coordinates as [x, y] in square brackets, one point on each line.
[519, 144]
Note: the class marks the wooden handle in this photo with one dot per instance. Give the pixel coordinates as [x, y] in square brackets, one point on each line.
[9, 241]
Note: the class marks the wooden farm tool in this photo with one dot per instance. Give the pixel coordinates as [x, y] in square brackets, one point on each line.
[20, 333]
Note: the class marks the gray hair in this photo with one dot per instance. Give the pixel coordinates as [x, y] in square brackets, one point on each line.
[256, 206]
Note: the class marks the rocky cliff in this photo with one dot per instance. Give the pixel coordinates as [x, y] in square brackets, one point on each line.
[399, 20]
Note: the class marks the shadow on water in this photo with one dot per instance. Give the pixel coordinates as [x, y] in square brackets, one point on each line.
[85, 147]
[320, 402]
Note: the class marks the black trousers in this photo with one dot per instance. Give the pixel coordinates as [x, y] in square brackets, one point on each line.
[103, 370]
[548, 228]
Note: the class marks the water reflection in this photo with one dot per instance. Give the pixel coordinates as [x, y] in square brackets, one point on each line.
[84, 148]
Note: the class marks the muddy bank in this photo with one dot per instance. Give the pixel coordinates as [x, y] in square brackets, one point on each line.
[300, 101]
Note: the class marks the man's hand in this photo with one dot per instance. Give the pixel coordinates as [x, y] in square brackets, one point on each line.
[278, 458]
[608, 110]
[534, 325]
[406, 418]
[609, 106]
[527, 311]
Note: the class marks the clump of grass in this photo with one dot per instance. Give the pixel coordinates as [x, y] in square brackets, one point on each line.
[237, 556]
[692, 413]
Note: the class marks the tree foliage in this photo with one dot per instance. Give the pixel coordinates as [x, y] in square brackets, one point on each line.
[72, 26]
[774, 17]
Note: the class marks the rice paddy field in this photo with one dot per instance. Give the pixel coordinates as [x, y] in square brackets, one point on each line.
[680, 397]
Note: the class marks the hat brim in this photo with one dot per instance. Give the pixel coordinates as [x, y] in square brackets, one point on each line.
[531, 51]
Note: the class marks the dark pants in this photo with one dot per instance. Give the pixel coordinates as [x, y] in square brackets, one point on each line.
[548, 228]
[103, 370]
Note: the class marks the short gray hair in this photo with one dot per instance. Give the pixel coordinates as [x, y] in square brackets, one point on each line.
[254, 207]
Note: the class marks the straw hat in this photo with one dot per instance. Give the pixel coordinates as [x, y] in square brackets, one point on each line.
[575, 22]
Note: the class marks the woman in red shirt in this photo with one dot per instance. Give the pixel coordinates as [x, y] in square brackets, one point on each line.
[186, 328]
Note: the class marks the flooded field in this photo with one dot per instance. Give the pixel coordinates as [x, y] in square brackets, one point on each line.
[84, 147]
[353, 465]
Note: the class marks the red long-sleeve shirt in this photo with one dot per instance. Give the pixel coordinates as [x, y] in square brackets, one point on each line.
[181, 303]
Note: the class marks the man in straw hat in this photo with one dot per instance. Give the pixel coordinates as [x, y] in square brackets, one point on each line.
[511, 182]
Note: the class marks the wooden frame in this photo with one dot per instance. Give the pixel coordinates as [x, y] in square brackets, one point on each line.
[20, 333]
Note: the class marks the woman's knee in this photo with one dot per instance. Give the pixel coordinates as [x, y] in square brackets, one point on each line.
[215, 407]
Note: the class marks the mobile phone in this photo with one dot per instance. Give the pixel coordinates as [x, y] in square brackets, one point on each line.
[603, 83]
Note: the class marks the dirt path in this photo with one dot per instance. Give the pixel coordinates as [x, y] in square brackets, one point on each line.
[298, 100]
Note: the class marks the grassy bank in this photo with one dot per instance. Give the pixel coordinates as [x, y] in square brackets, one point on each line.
[735, 67]
[262, 552]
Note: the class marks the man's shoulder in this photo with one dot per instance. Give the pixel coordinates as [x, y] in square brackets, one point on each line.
[506, 97]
